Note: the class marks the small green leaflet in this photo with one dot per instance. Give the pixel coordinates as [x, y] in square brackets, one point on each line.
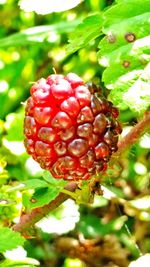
[34, 184]
[85, 32]
[9, 239]
[45, 190]
[29, 184]
[27, 262]
[51, 180]
[39, 183]
[43, 196]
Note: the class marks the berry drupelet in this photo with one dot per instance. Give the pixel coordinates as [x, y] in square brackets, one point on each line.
[69, 131]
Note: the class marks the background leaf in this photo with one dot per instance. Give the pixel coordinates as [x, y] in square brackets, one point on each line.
[85, 32]
[14, 124]
[9, 239]
[91, 226]
[38, 34]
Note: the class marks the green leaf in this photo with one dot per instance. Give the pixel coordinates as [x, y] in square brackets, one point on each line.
[133, 89]
[35, 183]
[29, 184]
[51, 180]
[85, 32]
[119, 48]
[27, 262]
[38, 34]
[43, 196]
[9, 239]
[126, 54]
[124, 10]
[92, 226]
[129, 242]
[14, 124]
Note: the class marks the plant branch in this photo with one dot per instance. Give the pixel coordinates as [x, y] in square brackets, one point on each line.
[133, 136]
[29, 219]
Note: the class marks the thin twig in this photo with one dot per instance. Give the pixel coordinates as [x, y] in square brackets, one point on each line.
[132, 137]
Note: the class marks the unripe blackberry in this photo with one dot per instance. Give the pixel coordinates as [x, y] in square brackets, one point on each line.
[70, 130]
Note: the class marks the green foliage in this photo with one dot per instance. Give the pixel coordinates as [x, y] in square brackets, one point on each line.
[14, 121]
[9, 239]
[86, 32]
[92, 226]
[44, 191]
[106, 42]
[52, 181]
[38, 34]
[28, 262]
[42, 197]
[124, 52]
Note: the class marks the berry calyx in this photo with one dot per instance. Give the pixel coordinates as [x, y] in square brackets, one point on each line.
[70, 130]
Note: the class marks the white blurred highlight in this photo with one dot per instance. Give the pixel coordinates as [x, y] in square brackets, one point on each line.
[68, 217]
[47, 6]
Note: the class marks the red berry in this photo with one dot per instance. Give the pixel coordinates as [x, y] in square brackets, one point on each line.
[61, 90]
[83, 95]
[67, 134]
[115, 112]
[71, 106]
[74, 79]
[30, 126]
[100, 123]
[102, 151]
[69, 131]
[47, 134]
[85, 115]
[110, 138]
[78, 147]
[43, 149]
[61, 120]
[42, 114]
[85, 130]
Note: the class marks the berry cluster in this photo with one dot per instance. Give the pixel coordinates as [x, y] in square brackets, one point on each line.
[69, 131]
